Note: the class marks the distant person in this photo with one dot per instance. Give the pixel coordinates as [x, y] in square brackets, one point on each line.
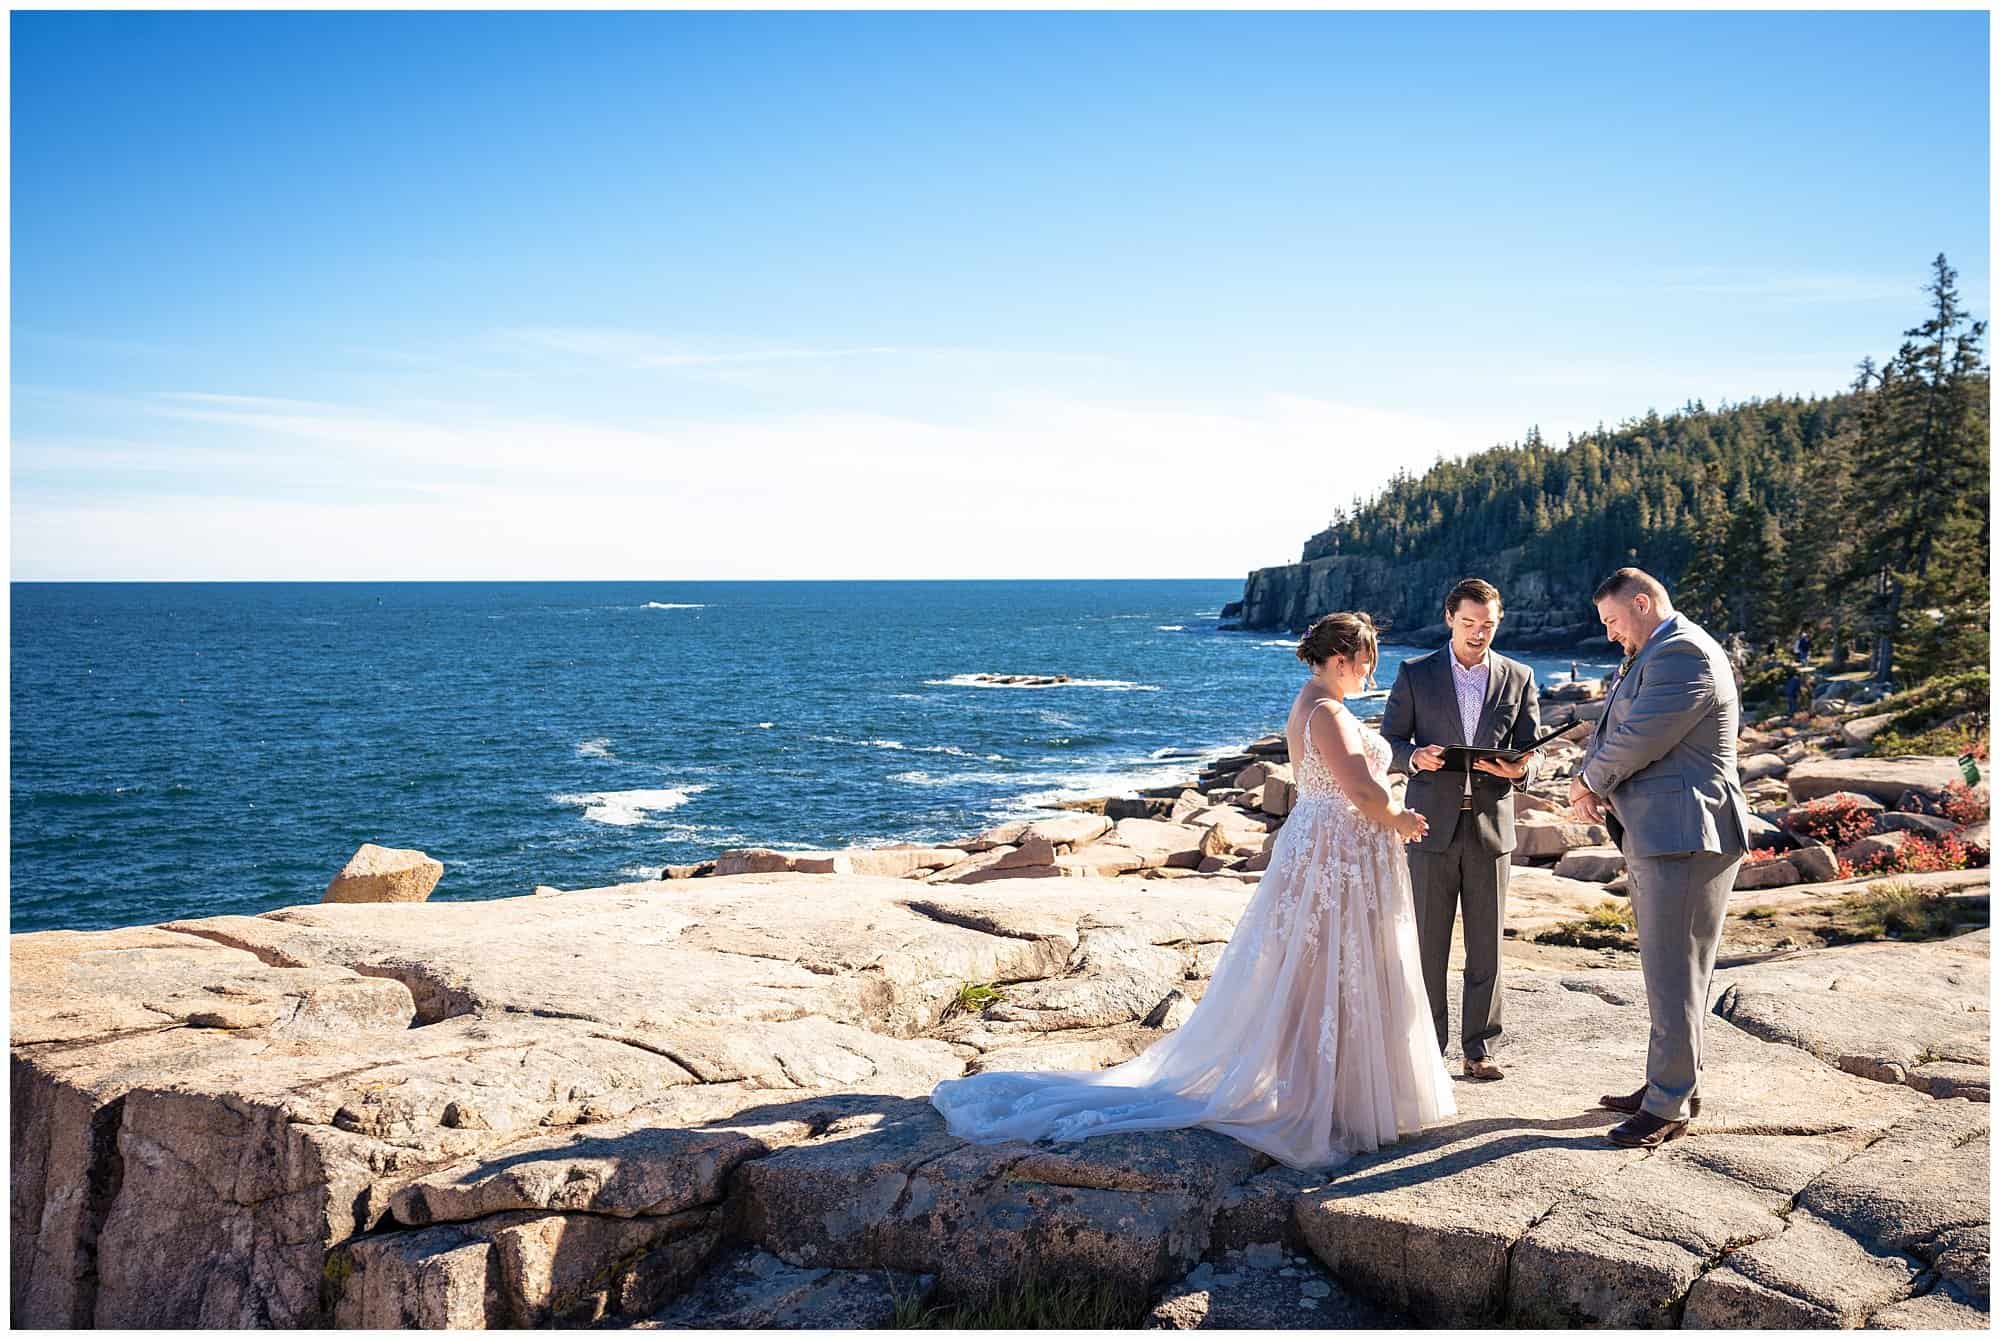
[1311, 1042]
[1738, 651]
[1464, 694]
[1663, 765]
[1802, 649]
[1792, 687]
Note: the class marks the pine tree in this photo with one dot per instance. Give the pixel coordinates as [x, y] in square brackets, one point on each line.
[1921, 464]
[1703, 590]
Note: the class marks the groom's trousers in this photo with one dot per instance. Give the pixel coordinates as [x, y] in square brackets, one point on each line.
[1679, 902]
[1471, 874]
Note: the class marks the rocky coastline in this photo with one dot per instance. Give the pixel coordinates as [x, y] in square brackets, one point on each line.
[1545, 611]
[701, 1100]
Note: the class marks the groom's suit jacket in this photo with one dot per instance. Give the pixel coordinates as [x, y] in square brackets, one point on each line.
[1423, 710]
[1664, 753]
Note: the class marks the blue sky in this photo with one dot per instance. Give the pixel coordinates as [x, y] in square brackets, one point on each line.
[462, 295]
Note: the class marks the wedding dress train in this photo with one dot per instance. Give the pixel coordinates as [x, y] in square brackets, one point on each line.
[1314, 1039]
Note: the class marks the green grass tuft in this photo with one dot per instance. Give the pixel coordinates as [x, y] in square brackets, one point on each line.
[1946, 715]
[973, 997]
[1894, 909]
[1032, 1305]
[1609, 925]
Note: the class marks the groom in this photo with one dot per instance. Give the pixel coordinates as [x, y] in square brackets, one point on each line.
[1464, 694]
[1662, 769]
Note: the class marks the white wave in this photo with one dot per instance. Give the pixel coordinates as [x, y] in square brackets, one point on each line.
[917, 778]
[702, 834]
[665, 605]
[598, 748]
[642, 871]
[1086, 785]
[1279, 642]
[1117, 685]
[1170, 627]
[951, 749]
[763, 725]
[628, 809]
[1065, 784]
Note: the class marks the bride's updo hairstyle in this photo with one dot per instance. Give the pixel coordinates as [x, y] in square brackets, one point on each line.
[1342, 634]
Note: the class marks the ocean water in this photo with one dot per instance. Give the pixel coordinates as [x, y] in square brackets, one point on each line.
[190, 750]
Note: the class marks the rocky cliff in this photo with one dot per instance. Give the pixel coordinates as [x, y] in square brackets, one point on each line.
[703, 1103]
[1545, 610]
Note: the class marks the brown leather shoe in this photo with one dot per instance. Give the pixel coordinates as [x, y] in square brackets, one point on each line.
[1645, 1131]
[1629, 1102]
[1482, 1067]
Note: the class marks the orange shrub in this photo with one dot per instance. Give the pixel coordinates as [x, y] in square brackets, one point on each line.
[1833, 821]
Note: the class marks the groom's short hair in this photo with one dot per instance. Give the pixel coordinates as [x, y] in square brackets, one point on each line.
[1627, 582]
[1472, 588]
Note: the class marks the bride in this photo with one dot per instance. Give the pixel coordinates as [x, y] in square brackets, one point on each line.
[1313, 1041]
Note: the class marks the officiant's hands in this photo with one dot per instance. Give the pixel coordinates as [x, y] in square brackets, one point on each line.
[1428, 759]
[1513, 772]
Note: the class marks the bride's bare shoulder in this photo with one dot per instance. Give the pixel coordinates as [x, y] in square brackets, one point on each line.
[1335, 709]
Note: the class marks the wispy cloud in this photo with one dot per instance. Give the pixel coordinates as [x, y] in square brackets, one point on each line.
[639, 349]
[1040, 486]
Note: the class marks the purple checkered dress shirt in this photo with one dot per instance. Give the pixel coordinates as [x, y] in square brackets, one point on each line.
[1471, 687]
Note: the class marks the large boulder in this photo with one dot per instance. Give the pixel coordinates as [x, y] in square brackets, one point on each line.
[714, 1107]
[1540, 837]
[1814, 862]
[1899, 1014]
[1872, 850]
[760, 861]
[899, 862]
[1070, 830]
[1860, 730]
[1774, 873]
[1518, 1210]
[1033, 851]
[1278, 794]
[1883, 779]
[1978, 837]
[1101, 859]
[384, 875]
[1924, 825]
[1760, 767]
[1160, 843]
[1599, 865]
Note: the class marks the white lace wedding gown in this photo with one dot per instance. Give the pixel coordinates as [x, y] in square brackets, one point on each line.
[1313, 1041]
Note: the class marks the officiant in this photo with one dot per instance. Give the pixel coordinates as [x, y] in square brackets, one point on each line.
[1464, 694]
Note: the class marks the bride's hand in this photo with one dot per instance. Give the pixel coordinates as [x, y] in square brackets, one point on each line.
[1410, 825]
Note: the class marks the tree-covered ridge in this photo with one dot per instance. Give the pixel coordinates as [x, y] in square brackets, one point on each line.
[1641, 493]
[1863, 515]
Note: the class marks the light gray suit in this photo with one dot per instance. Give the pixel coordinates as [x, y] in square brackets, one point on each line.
[1664, 756]
[1465, 856]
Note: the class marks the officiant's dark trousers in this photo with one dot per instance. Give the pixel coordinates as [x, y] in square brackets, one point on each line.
[1469, 874]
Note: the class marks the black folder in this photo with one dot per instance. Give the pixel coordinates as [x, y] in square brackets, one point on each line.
[1459, 757]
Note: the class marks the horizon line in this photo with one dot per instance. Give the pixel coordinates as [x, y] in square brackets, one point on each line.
[551, 581]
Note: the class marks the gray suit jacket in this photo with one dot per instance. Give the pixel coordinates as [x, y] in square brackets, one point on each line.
[1423, 710]
[1664, 753]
